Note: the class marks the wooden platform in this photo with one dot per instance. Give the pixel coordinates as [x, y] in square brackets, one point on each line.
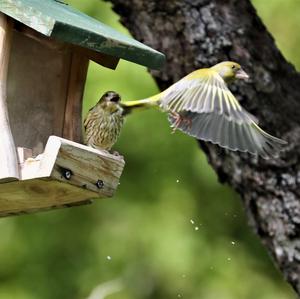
[66, 174]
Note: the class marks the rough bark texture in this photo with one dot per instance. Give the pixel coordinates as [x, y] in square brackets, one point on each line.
[199, 33]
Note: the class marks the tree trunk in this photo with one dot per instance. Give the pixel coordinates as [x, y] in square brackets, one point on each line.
[199, 33]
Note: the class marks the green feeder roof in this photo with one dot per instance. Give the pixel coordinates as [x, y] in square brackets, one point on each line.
[62, 22]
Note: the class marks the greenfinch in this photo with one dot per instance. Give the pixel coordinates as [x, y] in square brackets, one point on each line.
[104, 121]
[201, 105]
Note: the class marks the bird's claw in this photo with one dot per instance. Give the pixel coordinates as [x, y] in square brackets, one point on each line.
[179, 119]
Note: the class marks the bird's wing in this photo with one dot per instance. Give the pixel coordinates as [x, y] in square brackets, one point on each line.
[236, 136]
[213, 114]
[204, 91]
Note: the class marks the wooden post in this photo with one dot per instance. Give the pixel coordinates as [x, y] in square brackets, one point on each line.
[72, 129]
[8, 157]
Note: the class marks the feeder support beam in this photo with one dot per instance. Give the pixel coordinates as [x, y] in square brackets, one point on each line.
[8, 157]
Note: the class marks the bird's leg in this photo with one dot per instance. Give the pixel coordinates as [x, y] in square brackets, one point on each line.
[178, 120]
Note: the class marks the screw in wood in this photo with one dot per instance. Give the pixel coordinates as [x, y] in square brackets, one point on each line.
[99, 184]
[67, 173]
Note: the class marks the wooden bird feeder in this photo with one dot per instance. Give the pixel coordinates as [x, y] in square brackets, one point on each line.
[45, 48]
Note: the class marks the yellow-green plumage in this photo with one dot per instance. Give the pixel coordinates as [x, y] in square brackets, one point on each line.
[104, 121]
[201, 105]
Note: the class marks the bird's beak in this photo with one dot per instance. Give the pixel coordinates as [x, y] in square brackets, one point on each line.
[241, 74]
[115, 99]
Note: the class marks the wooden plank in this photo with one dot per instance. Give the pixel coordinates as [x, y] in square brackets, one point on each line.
[87, 166]
[34, 195]
[23, 154]
[64, 23]
[100, 58]
[37, 91]
[30, 168]
[89, 170]
[8, 157]
[54, 81]
[66, 174]
[46, 41]
[45, 209]
[72, 128]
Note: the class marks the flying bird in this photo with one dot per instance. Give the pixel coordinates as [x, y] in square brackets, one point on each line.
[104, 121]
[201, 105]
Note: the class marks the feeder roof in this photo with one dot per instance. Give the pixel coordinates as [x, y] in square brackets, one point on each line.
[58, 20]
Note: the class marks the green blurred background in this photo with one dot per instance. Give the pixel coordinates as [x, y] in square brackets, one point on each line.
[171, 231]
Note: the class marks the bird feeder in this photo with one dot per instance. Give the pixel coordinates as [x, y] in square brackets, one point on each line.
[45, 48]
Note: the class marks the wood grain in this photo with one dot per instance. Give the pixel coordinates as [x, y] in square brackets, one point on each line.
[39, 194]
[44, 184]
[23, 154]
[98, 57]
[72, 122]
[8, 157]
[86, 164]
[37, 91]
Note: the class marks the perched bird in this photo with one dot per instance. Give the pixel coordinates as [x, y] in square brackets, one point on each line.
[104, 121]
[201, 105]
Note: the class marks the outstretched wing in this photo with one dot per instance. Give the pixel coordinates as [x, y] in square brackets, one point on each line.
[204, 91]
[236, 136]
[212, 113]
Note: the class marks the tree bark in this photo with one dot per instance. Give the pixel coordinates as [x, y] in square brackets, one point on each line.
[199, 33]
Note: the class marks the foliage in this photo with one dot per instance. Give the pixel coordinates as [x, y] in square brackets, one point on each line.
[172, 231]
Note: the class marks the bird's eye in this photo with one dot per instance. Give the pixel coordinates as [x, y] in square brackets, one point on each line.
[233, 67]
